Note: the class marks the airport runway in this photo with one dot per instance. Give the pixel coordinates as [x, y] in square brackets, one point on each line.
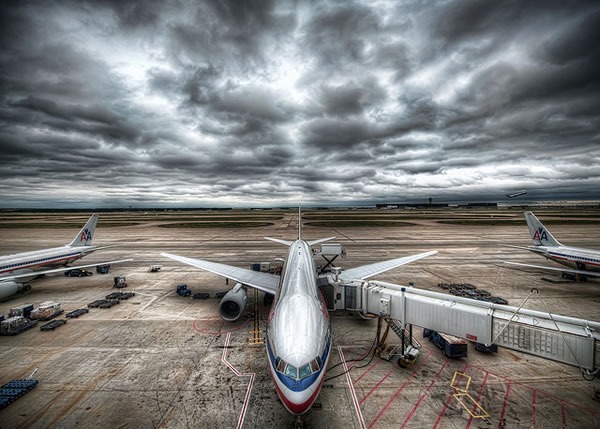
[162, 360]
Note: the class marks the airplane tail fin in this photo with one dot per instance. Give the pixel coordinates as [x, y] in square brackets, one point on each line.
[540, 235]
[299, 223]
[86, 234]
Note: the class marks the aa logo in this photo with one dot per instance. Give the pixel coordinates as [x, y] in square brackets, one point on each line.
[86, 235]
[540, 235]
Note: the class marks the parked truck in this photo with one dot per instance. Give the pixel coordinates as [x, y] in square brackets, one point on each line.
[452, 347]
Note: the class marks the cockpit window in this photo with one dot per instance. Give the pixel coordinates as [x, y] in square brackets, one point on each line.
[291, 371]
[298, 373]
[314, 366]
[280, 364]
[304, 371]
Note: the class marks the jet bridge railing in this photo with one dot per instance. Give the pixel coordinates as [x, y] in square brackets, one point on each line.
[565, 339]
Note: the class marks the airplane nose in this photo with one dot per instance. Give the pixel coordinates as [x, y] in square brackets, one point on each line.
[299, 402]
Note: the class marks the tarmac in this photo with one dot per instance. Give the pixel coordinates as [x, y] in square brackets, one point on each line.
[162, 360]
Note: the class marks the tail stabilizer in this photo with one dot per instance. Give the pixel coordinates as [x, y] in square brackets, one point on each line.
[540, 235]
[277, 240]
[86, 234]
[320, 240]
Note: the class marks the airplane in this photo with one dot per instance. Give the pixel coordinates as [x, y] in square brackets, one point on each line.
[18, 269]
[581, 261]
[516, 194]
[298, 332]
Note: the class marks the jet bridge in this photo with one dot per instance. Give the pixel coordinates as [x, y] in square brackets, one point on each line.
[555, 337]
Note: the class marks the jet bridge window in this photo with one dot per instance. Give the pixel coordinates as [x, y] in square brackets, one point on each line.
[350, 297]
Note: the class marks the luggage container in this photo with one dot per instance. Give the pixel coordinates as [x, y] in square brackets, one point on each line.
[46, 311]
[23, 310]
[451, 346]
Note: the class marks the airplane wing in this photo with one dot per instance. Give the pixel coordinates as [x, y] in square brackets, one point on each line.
[562, 270]
[262, 281]
[367, 271]
[58, 270]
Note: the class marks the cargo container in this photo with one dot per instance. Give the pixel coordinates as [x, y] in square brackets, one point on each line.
[23, 310]
[15, 325]
[46, 311]
[452, 347]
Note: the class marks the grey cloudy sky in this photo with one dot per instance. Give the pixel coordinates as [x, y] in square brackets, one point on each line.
[220, 103]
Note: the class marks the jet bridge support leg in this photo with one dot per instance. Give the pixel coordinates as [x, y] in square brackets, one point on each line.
[408, 349]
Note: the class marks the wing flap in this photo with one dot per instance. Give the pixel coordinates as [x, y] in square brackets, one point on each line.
[366, 271]
[262, 281]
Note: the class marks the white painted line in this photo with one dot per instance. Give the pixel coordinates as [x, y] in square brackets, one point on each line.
[239, 374]
[361, 420]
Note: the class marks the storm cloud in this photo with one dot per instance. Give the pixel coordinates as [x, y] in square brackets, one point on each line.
[258, 103]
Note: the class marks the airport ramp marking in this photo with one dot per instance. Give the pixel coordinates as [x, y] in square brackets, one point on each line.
[448, 401]
[424, 394]
[384, 409]
[239, 374]
[361, 419]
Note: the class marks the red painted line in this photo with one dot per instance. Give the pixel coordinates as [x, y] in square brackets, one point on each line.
[533, 408]
[479, 395]
[418, 404]
[400, 389]
[448, 400]
[564, 414]
[365, 373]
[541, 392]
[375, 387]
[506, 395]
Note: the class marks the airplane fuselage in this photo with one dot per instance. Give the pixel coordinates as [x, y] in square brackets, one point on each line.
[298, 337]
[573, 257]
[38, 259]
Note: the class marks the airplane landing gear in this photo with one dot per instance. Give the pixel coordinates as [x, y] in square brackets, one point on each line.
[298, 423]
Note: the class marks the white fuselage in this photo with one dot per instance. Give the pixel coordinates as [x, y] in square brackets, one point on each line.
[46, 258]
[574, 257]
[298, 338]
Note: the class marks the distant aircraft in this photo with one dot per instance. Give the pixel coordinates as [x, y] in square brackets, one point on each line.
[581, 262]
[16, 270]
[298, 334]
[516, 194]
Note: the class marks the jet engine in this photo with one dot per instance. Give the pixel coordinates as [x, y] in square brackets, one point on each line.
[233, 303]
[10, 288]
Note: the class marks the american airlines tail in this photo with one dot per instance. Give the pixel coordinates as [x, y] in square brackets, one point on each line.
[540, 235]
[86, 234]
